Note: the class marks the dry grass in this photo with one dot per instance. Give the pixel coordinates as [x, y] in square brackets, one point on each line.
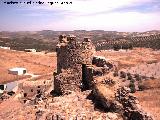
[150, 98]
[150, 101]
[132, 57]
[5, 77]
[40, 64]
[46, 63]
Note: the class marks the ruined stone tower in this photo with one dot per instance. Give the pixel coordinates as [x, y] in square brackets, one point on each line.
[78, 68]
[72, 55]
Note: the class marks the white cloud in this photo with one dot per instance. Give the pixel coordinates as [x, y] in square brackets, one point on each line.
[82, 15]
[129, 21]
[92, 6]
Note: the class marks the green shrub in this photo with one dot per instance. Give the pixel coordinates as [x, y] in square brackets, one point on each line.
[141, 87]
[132, 87]
[132, 80]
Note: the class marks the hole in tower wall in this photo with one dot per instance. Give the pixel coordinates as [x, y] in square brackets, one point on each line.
[25, 94]
[84, 84]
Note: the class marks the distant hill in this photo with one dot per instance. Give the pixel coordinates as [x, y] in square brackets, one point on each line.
[46, 40]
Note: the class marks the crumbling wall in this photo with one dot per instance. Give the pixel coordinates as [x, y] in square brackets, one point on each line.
[108, 96]
[78, 69]
[71, 54]
[131, 108]
[29, 89]
[66, 82]
[87, 77]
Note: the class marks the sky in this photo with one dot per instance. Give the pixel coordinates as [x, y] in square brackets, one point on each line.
[109, 15]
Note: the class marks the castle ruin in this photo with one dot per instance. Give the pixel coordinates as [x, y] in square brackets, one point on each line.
[72, 56]
[78, 69]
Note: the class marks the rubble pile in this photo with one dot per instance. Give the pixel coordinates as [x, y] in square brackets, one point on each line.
[131, 108]
[4, 97]
[100, 61]
[119, 101]
[74, 106]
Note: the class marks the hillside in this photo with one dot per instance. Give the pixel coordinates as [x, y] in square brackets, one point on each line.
[36, 63]
[149, 97]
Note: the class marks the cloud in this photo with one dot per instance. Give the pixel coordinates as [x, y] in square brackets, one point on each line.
[121, 15]
[128, 21]
[93, 6]
[82, 8]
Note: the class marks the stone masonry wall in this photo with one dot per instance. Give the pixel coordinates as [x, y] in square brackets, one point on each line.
[78, 69]
[71, 54]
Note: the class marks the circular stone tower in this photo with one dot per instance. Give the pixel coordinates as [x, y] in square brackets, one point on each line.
[71, 56]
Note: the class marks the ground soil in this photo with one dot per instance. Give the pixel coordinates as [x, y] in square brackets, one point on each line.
[35, 63]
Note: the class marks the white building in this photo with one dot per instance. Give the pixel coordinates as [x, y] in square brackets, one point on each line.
[30, 50]
[6, 48]
[11, 86]
[2, 88]
[17, 71]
